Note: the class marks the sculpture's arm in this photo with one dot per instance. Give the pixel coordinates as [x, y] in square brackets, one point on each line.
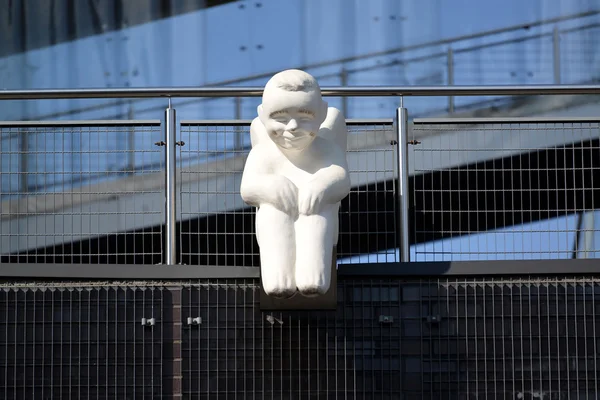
[260, 186]
[328, 185]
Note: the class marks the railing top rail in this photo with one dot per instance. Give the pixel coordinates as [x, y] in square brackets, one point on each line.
[76, 123]
[247, 122]
[505, 120]
[343, 91]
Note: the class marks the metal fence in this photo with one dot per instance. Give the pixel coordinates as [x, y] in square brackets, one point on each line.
[67, 197]
[438, 185]
[83, 342]
[485, 189]
[476, 189]
[532, 337]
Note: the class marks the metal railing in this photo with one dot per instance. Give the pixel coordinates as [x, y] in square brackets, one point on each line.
[153, 214]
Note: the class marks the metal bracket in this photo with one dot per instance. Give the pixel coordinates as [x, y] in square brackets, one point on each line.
[162, 143]
[434, 319]
[148, 321]
[271, 319]
[194, 321]
[413, 142]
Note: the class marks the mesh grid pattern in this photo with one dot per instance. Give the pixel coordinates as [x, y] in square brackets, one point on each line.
[65, 182]
[446, 338]
[80, 343]
[395, 338]
[218, 227]
[494, 177]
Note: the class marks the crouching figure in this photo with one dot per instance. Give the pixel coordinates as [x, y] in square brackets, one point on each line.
[296, 175]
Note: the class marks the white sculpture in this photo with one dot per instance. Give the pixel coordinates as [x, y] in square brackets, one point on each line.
[297, 178]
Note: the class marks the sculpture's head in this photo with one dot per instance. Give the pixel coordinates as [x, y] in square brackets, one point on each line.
[292, 109]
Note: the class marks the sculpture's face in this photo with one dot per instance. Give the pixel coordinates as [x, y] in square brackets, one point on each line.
[292, 119]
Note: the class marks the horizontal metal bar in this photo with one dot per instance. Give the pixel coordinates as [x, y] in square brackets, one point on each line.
[48, 124]
[471, 268]
[374, 121]
[354, 91]
[216, 122]
[124, 271]
[501, 120]
[398, 269]
[247, 122]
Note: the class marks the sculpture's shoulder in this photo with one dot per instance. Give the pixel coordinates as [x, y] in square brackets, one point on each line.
[264, 156]
[258, 132]
[334, 128]
[266, 150]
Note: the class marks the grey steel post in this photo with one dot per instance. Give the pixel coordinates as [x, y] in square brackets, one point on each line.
[403, 196]
[344, 82]
[238, 140]
[450, 60]
[170, 203]
[556, 54]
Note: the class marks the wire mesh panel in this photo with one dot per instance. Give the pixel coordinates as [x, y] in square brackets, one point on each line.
[218, 227]
[81, 342]
[505, 189]
[390, 339]
[368, 214]
[81, 192]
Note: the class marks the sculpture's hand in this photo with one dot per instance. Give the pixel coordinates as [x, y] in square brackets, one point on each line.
[310, 198]
[285, 195]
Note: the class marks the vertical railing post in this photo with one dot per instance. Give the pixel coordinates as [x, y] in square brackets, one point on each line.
[450, 60]
[170, 187]
[556, 54]
[403, 196]
[344, 83]
[238, 139]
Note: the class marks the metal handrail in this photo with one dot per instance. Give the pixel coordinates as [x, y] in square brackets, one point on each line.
[337, 91]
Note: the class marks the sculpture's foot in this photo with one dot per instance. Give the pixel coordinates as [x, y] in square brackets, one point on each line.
[312, 290]
[279, 287]
[313, 284]
[279, 293]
